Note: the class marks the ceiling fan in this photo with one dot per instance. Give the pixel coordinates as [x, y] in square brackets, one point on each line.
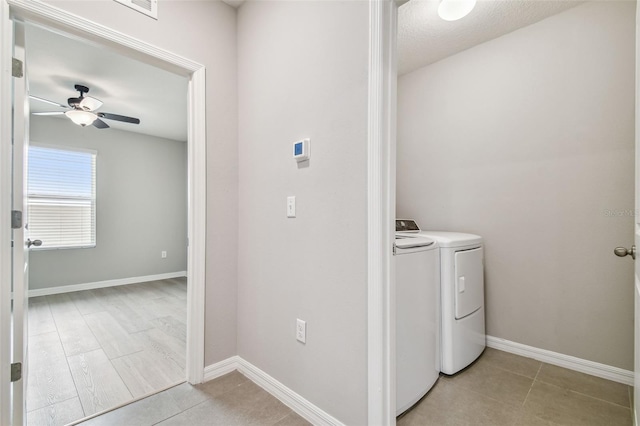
[82, 110]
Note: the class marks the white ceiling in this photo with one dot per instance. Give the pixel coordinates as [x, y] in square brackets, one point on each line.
[56, 63]
[424, 38]
[158, 98]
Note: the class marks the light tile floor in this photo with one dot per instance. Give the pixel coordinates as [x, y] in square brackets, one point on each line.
[505, 389]
[500, 389]
[92, 350]
[229, 400]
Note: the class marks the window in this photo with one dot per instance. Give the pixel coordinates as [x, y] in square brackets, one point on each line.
[62, 197]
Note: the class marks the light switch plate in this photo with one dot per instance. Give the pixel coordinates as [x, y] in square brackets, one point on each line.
[291, 206]
[301, 330]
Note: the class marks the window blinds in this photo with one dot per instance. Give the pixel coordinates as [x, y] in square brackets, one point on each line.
[62, 197]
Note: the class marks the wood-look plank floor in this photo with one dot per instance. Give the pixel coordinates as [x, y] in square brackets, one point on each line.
[92, 350]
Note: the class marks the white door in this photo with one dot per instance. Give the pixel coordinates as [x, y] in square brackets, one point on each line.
[20, 236]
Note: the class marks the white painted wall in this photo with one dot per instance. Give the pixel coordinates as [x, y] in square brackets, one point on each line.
[527, 140]
[303, 70]
[141, 207]
[205, 32]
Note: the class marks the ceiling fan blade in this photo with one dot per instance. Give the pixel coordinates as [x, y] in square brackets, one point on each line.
[117, 117]
[47, 101]
[100, 124]
[48, 113]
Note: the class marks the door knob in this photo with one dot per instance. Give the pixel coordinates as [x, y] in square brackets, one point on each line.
[38, 243]
[622, 252]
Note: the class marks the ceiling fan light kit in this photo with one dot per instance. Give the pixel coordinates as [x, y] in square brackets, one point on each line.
[81, 110]
[82, 118]
[90, 104]
[452, 10]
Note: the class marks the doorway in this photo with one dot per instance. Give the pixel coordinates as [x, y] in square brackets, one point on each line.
[105, 39]
[107, 286]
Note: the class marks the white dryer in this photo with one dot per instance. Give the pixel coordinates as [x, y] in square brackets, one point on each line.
[463, 336]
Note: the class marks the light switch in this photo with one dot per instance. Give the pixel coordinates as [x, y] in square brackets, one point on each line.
[291, 206]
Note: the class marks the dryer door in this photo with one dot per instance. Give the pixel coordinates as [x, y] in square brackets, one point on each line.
[469, 282]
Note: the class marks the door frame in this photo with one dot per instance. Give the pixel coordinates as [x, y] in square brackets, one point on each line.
[381, 208]
[58, 20]
[636, 232]
[6, 38]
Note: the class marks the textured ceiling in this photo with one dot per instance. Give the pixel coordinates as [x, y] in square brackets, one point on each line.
[128, 87]
[424, 38]
[56, 63]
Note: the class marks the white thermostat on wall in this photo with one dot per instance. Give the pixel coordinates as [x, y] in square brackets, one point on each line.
[301, 150]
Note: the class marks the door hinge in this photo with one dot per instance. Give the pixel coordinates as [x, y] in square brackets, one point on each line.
[16, 371]
[17, 69]
[16, 219]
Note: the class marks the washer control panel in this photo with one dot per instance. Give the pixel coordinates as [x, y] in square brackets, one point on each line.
[406, 225]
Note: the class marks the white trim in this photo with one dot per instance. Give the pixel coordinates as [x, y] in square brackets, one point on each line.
[288, 397]
[51, 16]
[62, 147]
[221, 368]
[572, 363]
[54, 18]
[197, 221]
[381, 213]
[6, 43]
[102, 284]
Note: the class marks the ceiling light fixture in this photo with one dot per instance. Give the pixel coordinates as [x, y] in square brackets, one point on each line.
[81, 118]
[452, 10]
[88, 103]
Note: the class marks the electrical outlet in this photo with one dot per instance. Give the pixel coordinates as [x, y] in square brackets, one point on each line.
[163, 254]
[301, 331]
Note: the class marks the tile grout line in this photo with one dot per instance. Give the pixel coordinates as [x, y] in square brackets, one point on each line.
[66, 357]
[283, 417]
[532, 383]
[55, 403]
[209, 398]
[82, 316]
[584, 394]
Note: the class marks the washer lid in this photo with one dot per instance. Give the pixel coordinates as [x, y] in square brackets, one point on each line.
[413, 241]
[452, 239]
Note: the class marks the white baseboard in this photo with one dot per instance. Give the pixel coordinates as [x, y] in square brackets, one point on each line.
[572, 363]
[103, 284]
[297, 403]
[221, 368]
[288, 397]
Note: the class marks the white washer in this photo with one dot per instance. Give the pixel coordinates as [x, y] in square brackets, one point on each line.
[417, 318]
[463, 336]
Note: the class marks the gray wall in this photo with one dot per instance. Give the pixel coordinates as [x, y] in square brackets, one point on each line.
[528, 140]
[203, 31]
[141, 207]
[303, 70]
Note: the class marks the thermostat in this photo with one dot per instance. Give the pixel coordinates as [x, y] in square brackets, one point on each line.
[301, 150]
